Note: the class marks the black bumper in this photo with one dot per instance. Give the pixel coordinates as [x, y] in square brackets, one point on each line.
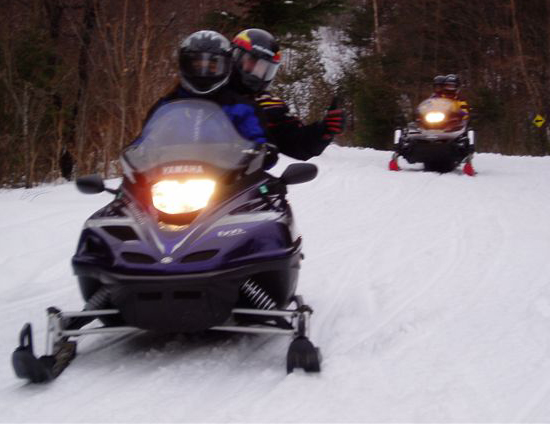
[433, 151]
[184, 302]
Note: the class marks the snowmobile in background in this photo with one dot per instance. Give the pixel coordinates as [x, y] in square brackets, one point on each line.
[199, 237]
[439, 138]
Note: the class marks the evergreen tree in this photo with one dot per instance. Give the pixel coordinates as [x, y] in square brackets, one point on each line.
[280, 17]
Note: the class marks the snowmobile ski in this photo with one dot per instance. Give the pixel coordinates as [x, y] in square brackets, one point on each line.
[38, 370]
[60, 351]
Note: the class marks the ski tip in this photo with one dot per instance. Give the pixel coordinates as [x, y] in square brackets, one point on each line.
[28, 367]
[393, 165]
[303, 354]
[469, 169]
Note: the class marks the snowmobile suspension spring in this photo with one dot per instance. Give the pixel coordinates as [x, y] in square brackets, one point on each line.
[99, 300]
[257, 296]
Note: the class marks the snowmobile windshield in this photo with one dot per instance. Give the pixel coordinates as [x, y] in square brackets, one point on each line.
[189, 130]
[446, 106]
[439, 113]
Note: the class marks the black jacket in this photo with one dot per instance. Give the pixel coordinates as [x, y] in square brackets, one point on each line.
[287, 132]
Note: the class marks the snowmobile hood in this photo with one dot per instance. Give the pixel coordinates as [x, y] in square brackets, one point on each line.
[125, 237]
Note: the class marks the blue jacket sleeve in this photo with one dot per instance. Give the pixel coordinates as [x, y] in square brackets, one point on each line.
[246, 121]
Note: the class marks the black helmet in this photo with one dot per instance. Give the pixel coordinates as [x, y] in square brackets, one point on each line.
[256, 58]
[439, 80]
[205, 62]
[451, 85]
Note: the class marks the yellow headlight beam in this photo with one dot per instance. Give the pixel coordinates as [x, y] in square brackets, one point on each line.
[434, 117]
[174, 197]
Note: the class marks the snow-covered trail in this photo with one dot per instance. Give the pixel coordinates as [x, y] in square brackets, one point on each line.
[431, 295]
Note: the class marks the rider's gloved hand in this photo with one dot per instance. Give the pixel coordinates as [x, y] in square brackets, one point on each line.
[271, 156]
[334, 121]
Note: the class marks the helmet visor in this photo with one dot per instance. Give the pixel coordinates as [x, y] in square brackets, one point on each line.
[260, 68]
[450, 86]
[195, 64]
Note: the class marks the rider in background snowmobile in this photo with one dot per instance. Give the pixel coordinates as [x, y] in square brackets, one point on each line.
[439, 80]
[448, 87]
[205, 68]
[256, 58]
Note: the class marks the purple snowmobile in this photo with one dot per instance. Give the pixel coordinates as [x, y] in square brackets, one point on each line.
[199, 237]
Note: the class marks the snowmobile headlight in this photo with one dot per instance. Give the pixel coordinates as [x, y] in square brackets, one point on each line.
[434, 117]
[175, 197]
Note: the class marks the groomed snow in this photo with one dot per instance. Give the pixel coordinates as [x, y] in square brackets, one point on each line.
[431, 295]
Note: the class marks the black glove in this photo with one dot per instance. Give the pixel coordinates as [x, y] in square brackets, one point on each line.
[334, 121]
[271, 156]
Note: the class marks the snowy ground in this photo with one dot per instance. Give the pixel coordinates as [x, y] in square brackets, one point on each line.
[431, 295]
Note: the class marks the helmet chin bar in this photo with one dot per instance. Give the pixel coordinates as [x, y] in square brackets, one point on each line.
[252, 82]
[202, 91]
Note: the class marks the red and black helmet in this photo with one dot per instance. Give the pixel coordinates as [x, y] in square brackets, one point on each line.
[256, 58]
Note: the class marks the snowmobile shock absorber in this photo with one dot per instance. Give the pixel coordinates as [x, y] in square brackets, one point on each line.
[99, 300]
[257, 296]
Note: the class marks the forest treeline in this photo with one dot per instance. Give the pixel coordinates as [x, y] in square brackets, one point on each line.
[78, 76]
